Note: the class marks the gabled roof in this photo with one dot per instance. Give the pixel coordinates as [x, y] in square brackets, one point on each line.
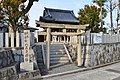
[59, 16]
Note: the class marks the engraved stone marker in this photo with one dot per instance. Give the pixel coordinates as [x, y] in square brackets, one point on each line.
[28, 63]
[26, 45]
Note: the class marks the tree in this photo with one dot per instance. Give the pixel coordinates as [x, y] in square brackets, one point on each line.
[15, 11]
[112, 5]
[90, 15]
[118, 15]
[103, 11]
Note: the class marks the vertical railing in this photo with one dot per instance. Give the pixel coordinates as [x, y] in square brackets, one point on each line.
[68, 54]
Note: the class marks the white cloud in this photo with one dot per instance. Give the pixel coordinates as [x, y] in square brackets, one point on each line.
[94, 4]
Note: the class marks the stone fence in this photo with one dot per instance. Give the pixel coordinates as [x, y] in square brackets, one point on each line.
[97, 54]
[9, 66]
[14, 39]
[93, 38]
[10, 73]
[6, 58]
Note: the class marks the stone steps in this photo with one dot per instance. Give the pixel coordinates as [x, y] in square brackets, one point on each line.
[58, 58]
[58, 55]
[53, 63]
[57, 50]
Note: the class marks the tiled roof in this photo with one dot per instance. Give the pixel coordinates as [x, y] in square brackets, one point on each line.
[59, 16]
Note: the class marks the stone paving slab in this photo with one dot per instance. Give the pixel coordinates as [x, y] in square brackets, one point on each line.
[63, 68]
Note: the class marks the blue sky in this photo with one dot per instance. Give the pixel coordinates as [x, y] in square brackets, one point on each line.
[38, 7]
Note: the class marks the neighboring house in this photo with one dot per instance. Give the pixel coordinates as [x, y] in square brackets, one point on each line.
[62, 23]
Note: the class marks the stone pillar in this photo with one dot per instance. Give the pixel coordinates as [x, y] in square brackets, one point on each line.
[12, 39]
[67, 39]
[28, 64]
[55, 38]
[64, 31]
[26, 45]
[6, 40]
[17, 39]
[79, 59]
[48, 47]
[1, 40]
[58, 38]
[79, 56]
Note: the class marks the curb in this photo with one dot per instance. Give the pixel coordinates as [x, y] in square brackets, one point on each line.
[77, 70]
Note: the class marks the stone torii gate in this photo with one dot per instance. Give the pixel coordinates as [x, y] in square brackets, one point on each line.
[48, 33]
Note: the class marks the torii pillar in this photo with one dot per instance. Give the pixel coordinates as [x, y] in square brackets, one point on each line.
[79, 55]
[48, 39]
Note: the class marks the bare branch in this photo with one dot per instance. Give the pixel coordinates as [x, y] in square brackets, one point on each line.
[29, 6]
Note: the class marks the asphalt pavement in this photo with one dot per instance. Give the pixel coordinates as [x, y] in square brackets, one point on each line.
[110, 72]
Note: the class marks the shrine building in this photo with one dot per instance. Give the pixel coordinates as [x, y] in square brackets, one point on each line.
[62, 25]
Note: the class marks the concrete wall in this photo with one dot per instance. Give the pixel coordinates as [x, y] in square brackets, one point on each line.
[97, 54]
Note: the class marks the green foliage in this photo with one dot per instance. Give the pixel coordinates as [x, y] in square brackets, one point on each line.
[14, 12]
[100, 2]
[90, 15]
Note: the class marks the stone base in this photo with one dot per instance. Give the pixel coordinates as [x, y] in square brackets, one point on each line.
[26, 66]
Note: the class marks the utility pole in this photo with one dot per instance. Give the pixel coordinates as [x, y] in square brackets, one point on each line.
[111, 19]
[101, 14]
[118, 15]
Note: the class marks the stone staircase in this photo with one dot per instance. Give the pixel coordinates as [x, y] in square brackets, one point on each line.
[58, 55]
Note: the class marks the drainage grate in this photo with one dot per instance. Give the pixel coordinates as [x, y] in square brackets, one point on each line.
[112, 70]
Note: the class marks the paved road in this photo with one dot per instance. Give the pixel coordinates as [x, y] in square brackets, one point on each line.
[111, 72]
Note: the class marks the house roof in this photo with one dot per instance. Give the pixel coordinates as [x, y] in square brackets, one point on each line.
[59, 16]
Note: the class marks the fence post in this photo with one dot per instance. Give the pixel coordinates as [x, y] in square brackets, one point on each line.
[1, 40]
[12, 39]
[17, 39]
[6, 40]
[22, 39]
